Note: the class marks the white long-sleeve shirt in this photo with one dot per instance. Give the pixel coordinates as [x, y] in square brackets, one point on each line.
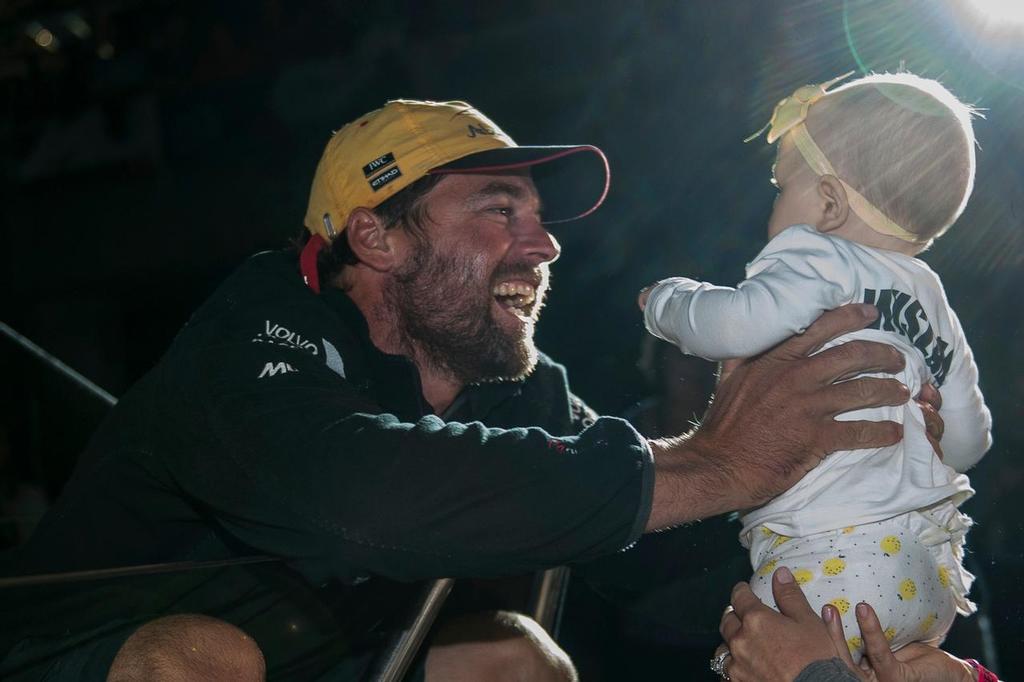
[797, 276]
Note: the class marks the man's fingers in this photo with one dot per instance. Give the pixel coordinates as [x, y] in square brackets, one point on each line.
[934, 427]
[744, 600]
[856, 394]
[855, 435]
[876, 646]
[851, 359]
[834, 323]
[929, 394]
[789, 597]
[933, 423]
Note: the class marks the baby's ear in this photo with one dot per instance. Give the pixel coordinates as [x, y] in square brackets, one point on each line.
[835, 205]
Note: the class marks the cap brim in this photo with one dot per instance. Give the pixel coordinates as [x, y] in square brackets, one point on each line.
[572, 180]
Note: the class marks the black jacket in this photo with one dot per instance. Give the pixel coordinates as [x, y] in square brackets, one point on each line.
[273, 426]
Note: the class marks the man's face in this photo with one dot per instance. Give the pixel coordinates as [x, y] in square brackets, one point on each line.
[469, 289]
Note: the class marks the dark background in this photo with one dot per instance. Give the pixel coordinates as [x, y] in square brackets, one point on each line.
[147, 148]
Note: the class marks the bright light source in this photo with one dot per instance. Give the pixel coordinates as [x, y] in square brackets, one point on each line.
[999, 11]
[42, 36]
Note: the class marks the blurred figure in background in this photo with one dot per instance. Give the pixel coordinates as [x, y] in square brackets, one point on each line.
[681, 388]
[22, 503]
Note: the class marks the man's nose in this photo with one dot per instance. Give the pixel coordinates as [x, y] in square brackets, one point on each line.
[537, 244]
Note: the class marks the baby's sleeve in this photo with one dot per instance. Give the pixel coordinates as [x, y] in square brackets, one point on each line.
[795, 279]
[968, 422]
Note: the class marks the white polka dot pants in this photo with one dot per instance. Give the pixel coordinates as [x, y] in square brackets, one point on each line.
[912, 587]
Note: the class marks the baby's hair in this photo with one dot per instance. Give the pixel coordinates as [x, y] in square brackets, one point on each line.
[905, 142]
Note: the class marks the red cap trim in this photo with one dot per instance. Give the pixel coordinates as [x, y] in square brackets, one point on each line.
[307, 262]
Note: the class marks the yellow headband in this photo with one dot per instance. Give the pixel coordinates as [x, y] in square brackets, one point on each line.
[788, 117]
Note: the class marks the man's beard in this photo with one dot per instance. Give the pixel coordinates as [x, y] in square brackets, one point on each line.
[442, 310]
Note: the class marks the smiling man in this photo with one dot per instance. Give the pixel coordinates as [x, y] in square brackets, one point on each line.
[373, 412]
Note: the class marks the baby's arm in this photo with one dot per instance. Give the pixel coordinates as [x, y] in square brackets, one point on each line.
[968, 433]
[786, 294]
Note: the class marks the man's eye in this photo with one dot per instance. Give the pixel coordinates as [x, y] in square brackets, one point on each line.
[502, 210]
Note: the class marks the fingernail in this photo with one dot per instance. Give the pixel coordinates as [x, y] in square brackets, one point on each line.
[828, 614]
[863, 610]
[784, 576]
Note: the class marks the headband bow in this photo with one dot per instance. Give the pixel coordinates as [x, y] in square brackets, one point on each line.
[788, 117]
[792, 111]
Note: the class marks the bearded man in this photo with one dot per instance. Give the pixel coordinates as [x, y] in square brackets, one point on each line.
[373, 412]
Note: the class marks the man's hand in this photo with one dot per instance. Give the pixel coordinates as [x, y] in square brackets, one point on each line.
[773, 420]
[767, 646]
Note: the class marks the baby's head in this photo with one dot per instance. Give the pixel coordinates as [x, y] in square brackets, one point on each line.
[904, 143]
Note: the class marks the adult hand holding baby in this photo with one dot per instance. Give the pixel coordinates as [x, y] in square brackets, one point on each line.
[771, 646]
[772, 421]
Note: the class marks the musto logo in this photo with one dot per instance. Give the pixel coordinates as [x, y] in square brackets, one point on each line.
[282, 336]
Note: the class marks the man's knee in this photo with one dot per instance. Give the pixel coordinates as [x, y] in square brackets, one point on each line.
[500, 646]
[188, 647]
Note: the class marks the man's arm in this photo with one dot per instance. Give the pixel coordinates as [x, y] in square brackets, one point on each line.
[772, 421]
[304, 465]
[305, 468]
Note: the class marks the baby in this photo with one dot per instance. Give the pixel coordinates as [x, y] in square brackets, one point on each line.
[869, 174]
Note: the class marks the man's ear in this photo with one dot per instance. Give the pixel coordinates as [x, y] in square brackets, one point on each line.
[835, 204]
[369, 240]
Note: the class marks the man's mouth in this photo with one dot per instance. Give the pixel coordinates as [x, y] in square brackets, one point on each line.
[516, 296]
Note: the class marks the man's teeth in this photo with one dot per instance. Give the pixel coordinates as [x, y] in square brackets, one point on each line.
[524, 293]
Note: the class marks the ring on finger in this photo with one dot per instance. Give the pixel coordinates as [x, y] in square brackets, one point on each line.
[717, 664]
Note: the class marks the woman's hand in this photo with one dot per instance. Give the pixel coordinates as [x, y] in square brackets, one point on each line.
[776, 647]
[913, 663]
[770, 646]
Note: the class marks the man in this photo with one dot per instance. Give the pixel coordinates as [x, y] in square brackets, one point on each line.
[376, 412]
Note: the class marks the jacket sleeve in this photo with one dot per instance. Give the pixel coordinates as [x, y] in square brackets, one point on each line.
[831, 670]
[968, 422]
[303, 466]
[792, 284]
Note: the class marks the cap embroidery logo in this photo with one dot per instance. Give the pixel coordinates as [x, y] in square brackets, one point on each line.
[384, 178]
[478, 130]
[378, 163]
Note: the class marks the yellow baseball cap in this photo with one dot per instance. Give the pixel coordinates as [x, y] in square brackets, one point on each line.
[376, 156]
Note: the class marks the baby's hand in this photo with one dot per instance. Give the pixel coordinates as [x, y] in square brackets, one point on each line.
[641, 298]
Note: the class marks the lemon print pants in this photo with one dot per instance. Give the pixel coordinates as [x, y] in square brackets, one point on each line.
[908, 568]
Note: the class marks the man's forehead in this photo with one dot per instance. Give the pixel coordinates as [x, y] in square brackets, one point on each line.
[477, 186]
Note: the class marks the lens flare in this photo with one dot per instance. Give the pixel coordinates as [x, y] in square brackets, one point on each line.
[999, 11]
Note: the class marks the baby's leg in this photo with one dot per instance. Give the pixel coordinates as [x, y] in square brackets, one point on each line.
[883, 564]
